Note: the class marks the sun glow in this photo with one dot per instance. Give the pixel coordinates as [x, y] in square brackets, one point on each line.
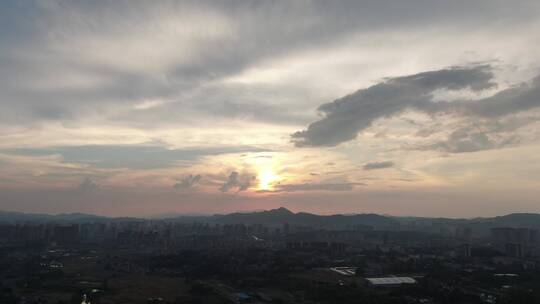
[266, 179]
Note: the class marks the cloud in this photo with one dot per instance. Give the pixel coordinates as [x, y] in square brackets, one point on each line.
[234, 182]
[188, 181]
[378, 165]
[344, 118]
[65, 61]
[317, 187]
[136, 156]
[466, 139]
[473, 134]
[523, 97]
[87, 186]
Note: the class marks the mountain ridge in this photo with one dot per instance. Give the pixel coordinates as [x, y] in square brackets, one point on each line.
[280, 216]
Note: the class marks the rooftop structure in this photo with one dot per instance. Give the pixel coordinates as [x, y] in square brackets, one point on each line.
[346, 271]
[390, 281]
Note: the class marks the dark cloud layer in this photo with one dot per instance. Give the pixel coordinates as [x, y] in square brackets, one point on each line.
[344, 118]
[235, 181]
[479, 135]
[188, 182]
[87, 186]
[378, 165]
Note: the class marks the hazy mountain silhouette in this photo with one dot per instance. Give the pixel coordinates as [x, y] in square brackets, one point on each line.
[277, 217]
[518, 219]
[9, 216]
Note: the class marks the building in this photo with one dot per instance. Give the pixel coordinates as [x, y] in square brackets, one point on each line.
[390, 281]
[515, 242]
[66, 234]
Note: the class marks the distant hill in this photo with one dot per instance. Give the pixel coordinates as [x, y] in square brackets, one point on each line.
[519, 219]
[277, 217]
[274, 217]
[12, 217]
[479, 226]
[8, 216]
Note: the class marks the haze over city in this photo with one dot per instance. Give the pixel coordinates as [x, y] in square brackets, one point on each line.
[143, 108]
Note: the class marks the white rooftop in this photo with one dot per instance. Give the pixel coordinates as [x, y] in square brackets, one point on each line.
[346, 271]
[391, 280]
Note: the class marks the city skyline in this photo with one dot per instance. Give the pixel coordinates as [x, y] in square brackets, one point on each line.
[131, 108]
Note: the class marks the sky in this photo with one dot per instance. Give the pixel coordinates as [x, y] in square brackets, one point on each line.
[143, 108]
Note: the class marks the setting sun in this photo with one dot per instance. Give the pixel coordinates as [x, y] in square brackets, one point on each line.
[266, 178]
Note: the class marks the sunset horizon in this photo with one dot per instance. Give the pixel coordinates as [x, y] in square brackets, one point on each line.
[269, 152]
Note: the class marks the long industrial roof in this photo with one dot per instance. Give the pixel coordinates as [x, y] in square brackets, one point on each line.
[391, 280]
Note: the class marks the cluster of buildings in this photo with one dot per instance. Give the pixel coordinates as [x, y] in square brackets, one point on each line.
[170, 235]
[516, 242]
[441, 260]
